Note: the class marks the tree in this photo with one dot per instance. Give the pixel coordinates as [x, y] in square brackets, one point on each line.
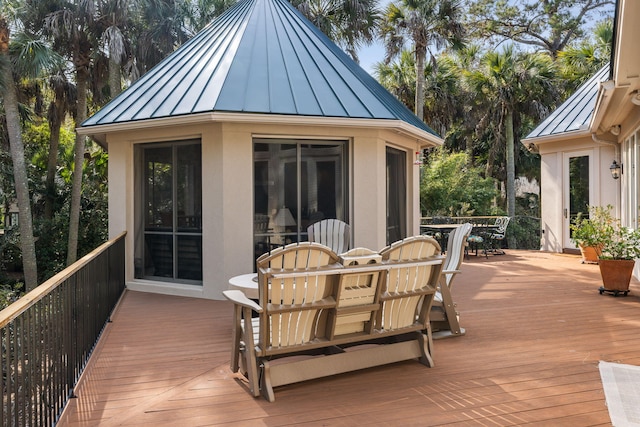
[430, 26]
[579, 61]
[510, 86]
[349, 23]
[25, 56]
[548, 25]
[399, 78]
[71, 25]
[451, 187]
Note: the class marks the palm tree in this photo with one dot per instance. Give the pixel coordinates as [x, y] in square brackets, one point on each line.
[579, 62]
[26, 56]
[509, 87]
[349, 23]
[71, 26]
[430, 26]
[399, 78]
[64, 98]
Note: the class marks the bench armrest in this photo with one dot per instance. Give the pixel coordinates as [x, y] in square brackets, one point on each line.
[239, 298]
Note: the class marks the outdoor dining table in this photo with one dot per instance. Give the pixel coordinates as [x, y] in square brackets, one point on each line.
[441, 231]
[247, 283]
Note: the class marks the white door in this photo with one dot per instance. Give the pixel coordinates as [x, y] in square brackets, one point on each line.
[579, 184]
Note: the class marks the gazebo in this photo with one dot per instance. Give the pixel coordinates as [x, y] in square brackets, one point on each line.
[248, 133]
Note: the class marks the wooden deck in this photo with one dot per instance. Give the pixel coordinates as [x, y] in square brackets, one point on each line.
[536, 329]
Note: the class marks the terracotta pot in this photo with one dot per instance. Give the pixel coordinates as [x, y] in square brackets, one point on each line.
[616, 273]
[590, 253]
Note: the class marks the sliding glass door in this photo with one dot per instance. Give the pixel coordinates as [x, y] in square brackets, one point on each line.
[296, 183]
[396, 195]
[169, 212]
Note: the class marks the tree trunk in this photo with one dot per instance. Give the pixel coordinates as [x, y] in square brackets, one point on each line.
[115, 78]
[27, 241]
[421, 54]
[511, 167]
[55, 123]
[76, 188]
[511, 174]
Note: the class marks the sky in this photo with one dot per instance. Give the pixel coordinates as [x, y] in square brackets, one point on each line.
[370, 55]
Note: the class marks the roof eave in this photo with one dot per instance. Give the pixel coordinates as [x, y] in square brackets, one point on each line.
[557, 137]
[99, 132]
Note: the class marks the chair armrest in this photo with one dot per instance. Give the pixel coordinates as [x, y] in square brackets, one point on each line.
[239, 298]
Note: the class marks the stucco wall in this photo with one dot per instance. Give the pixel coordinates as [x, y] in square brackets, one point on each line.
[603, 188]
[227, 199]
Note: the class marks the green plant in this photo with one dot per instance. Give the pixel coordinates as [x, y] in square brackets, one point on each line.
[603, 230]
[594, 228]
[621, 243]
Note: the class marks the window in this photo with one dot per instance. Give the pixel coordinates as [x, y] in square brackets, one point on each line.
[396, 195]
[169, 212]
[296, 183]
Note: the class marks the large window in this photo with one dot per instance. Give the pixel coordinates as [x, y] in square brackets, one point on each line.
[396, 195]
[296, 183]
[169, 212]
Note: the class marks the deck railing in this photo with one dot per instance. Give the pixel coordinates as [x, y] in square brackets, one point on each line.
[48, 335]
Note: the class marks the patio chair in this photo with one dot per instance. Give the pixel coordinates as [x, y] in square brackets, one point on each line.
[279, 324]
[444, 317]
[497, 236]
[332, 233]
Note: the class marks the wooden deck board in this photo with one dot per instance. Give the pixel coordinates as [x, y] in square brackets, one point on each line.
[536, 329]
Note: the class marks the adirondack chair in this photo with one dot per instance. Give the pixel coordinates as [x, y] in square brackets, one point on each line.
[408, 293]
[312, 307]
[332, 233]
[279, 327]
[444, 316]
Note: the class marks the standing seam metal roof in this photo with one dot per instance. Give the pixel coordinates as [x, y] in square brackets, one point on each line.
[261, 56]
[575, 113]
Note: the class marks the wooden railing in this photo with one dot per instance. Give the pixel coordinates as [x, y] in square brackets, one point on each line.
[47, 336]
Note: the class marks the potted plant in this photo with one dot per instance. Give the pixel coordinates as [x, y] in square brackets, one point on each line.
[588, 231]
[620, 249]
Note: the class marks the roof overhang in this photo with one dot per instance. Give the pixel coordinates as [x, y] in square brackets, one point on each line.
[100, 132]
[558, 137]
[615, 96]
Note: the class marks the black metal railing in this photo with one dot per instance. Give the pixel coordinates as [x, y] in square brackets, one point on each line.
[47, 336]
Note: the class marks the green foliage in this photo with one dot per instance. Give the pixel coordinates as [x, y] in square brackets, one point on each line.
[9, 293]
[593, 227]
[601, 229]
[451, 187]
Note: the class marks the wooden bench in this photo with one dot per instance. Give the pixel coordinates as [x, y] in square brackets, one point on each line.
[314, 312]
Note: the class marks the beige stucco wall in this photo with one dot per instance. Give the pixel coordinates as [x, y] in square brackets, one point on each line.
[227, 200]
[553, 185]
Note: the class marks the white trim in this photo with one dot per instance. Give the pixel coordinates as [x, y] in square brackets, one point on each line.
[98, 131]
[593, 155]
[564, 136]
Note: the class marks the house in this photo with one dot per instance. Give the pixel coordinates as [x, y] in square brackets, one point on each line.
[234, 144]
[590, 146]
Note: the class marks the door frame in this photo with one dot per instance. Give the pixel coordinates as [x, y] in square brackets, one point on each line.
[592, 154]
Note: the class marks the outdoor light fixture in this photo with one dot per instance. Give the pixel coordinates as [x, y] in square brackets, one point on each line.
[615, 169]
[615, 130]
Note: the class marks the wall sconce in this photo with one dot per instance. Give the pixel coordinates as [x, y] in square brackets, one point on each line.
[418, 160]
[615, 130]
[615, 169]
[635, 97]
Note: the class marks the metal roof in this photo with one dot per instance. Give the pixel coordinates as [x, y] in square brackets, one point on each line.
[575, 113]
[261, 56]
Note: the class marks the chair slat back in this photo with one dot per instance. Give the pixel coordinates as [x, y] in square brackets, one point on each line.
[333, 233]
[358, 293]
[408, 283]
[455, 248]
[291, 303]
